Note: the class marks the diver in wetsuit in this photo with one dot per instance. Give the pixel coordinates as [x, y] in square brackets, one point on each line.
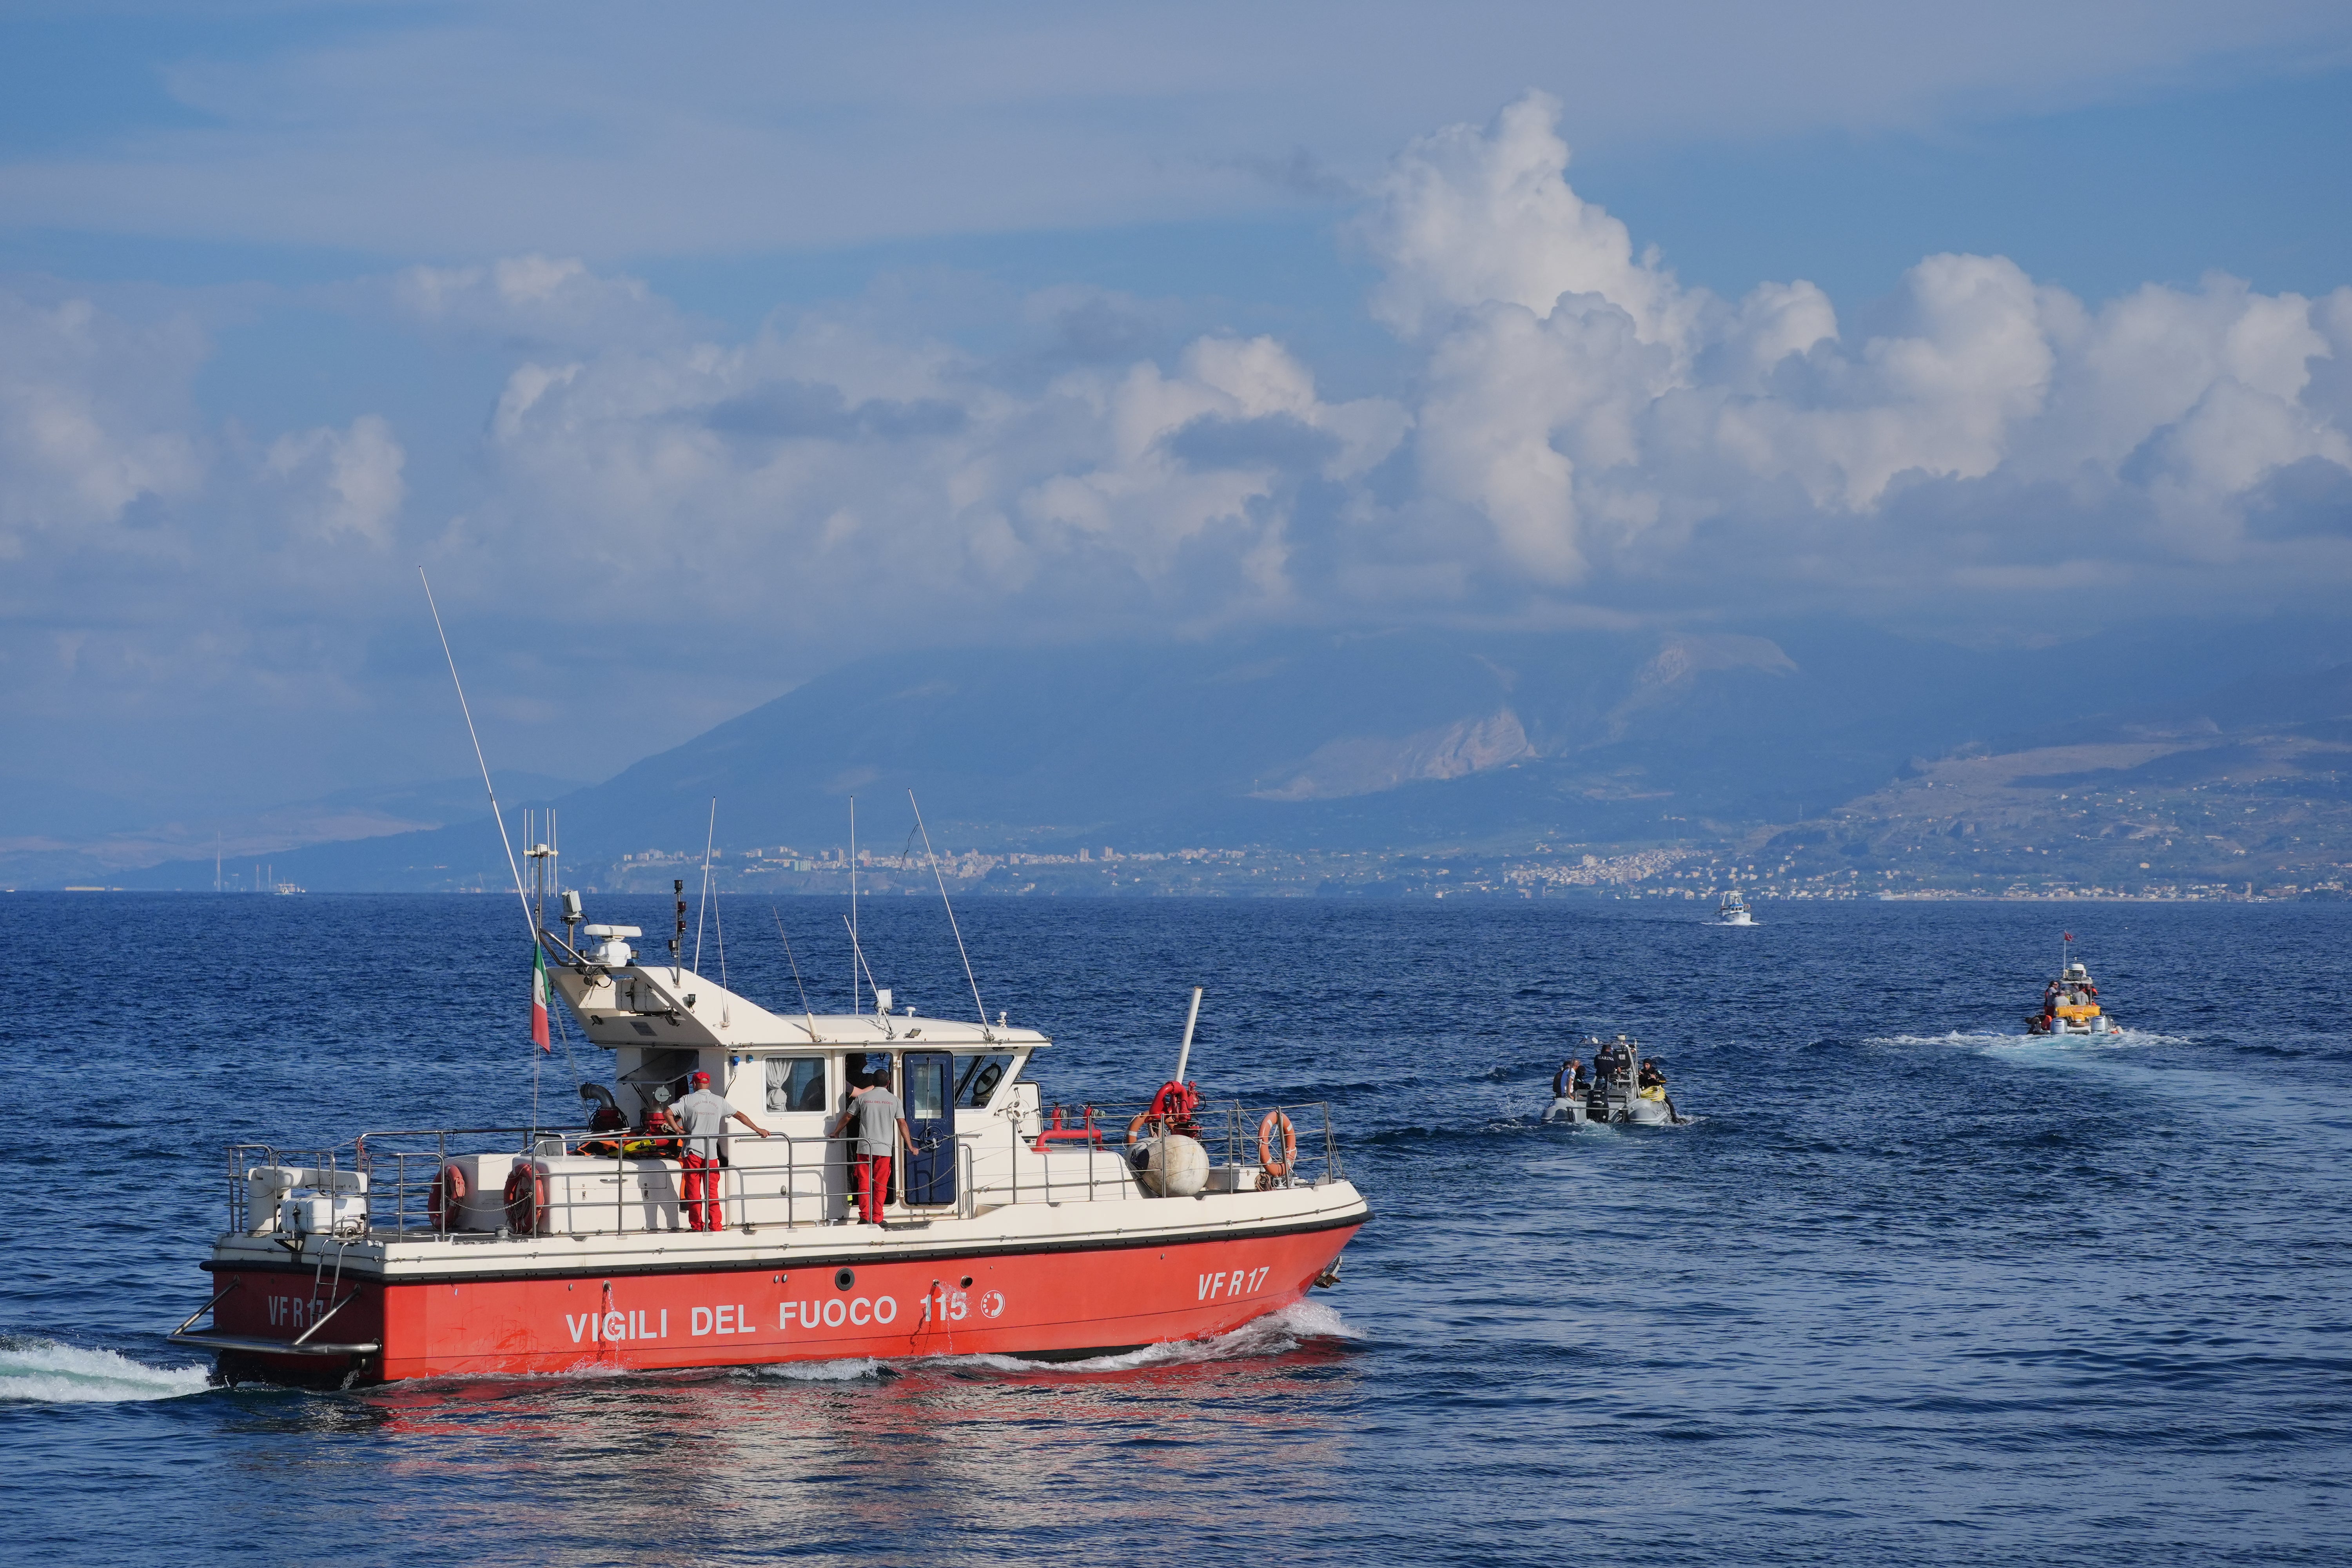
[1652, 1076]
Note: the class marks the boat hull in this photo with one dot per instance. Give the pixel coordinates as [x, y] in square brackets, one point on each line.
[1064, 1304]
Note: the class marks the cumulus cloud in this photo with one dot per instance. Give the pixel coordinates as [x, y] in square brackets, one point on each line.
[345, 482]
[1571, 431]
[92, 418]
[1464, 219]
[536, 299]
[1593, 413]
[830, 454]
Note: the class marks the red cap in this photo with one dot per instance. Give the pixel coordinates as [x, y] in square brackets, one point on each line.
[700, 1078]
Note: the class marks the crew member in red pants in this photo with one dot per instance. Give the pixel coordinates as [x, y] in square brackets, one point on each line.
[705, 1115]
[875, 1112]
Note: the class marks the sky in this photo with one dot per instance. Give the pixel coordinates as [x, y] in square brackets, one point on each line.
[693, 351]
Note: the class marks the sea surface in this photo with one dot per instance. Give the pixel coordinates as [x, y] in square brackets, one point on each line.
[1910, 1287]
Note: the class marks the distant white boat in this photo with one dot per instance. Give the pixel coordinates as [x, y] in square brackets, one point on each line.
[1732, 911]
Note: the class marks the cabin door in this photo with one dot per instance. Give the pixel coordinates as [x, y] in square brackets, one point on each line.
[931, 1116]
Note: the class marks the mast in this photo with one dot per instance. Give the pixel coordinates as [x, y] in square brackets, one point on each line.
[856, 1006]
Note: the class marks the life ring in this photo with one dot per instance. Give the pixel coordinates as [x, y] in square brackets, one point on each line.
[526, 1201]
[1275, 1168]
[1135, 1133]
[449, 1192]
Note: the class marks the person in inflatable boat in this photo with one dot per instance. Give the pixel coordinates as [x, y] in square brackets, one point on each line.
[1651, 1083]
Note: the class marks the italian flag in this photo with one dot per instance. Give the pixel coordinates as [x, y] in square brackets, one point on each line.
[539, 998]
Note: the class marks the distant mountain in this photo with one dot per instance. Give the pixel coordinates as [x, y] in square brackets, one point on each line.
[105, 854]
[2247, 783]
[1337, 740]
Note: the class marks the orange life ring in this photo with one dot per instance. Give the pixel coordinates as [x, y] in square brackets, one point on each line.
[1135, 1128]
[449, 1191]
[1275, 1168]
[526, 1201]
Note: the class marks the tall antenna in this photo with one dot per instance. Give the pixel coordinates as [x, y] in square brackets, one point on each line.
[796, 970]
[855, 955]
[718, 929]
[857, 961]
[709, 836]
[856, 958]
[977, 1005]
[496, 814]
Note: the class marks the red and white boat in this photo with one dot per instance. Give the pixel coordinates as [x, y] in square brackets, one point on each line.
[1014, 1229]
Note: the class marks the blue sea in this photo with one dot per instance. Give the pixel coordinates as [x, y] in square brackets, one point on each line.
[1909, 1286]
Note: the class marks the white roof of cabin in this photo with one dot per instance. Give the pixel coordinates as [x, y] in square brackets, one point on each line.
[682, 1010]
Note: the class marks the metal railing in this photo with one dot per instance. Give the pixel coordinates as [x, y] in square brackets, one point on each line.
[392, 1181]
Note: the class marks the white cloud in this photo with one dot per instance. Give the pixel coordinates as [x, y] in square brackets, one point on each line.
[92, 418]
[1572, 433]
[343, 481]
[1464, 219]
[1593, 413]
[830, 456]
[536, 299]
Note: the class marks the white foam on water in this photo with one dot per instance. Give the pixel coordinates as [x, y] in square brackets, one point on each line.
[1277, 1333]
[42, 1372]
[848, 1370]
[1985, 1040]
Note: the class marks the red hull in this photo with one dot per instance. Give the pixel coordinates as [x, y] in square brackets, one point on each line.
[1031, 1304]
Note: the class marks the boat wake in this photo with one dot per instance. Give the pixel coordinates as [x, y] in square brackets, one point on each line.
[2017, 1040]
[846, 1370]
[42, 1372]
[1277, 1333]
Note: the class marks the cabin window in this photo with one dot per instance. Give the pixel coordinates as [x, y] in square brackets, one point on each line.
[662, 1076]
[927, 1087]
[796, 1083]
[977, 1078]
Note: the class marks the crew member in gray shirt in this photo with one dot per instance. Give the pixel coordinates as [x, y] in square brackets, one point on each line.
[703, 1116]
[875, 1111]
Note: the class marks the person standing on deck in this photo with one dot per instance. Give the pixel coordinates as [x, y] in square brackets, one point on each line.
[875, 1111]
[703, 1116]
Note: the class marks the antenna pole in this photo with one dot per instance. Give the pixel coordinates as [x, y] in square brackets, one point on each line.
[709, 837]
[496, 814]
[857, 961]
[796, 970]
[855, 957]
[976, 1003]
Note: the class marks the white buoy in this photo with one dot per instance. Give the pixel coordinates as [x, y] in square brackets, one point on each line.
[1172, 1165]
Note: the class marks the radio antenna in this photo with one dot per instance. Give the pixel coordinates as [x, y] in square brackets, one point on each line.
[463, 706]
[858, 958]
[796, 970]
[709, 837]
[946, 903]
[855, 955]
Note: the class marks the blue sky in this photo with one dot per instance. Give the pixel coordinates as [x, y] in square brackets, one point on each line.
[694, 351]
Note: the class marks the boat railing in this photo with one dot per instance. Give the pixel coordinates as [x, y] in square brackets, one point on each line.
[1235, 1137]
[395, 1181]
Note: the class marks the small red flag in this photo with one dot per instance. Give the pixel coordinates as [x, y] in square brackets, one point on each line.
[2070, 936]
